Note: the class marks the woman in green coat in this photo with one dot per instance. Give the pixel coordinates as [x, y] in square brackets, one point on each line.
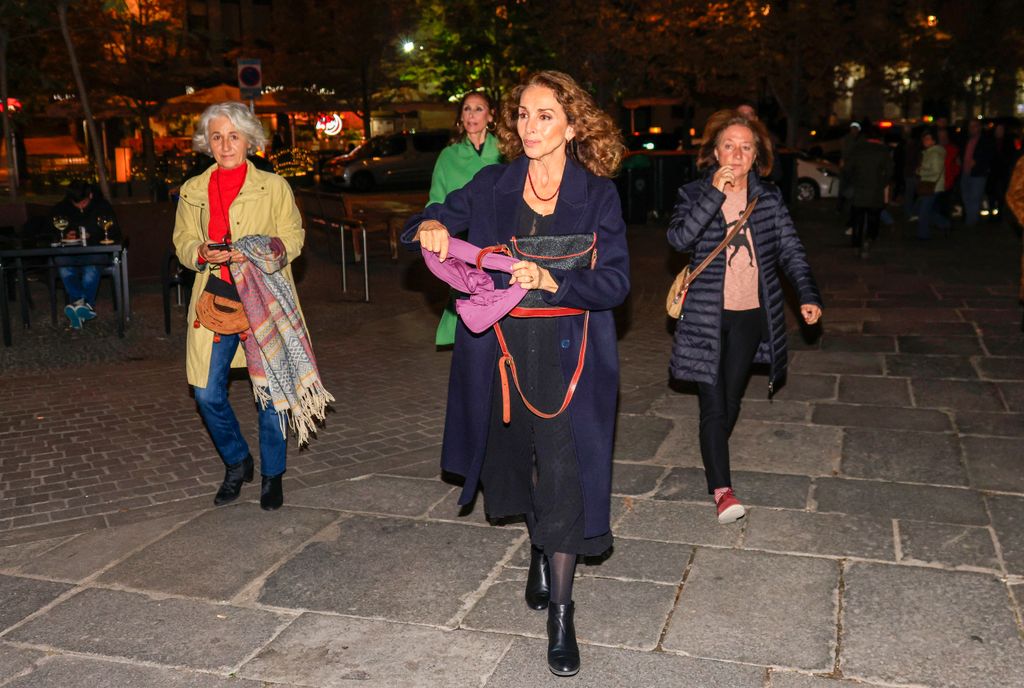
[473, 148]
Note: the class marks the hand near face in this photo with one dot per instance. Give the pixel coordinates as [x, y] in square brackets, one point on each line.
[723, 177]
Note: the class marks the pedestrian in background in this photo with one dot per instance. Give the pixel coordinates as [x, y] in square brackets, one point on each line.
[555, 468]
[1003, 159]
[1015, 202]
[473, 148]
[978, 153]
[239, 228]
[931, 181]
[951, 174]
[733, 313]
[81, 212]
[911, 161]
[868, 171]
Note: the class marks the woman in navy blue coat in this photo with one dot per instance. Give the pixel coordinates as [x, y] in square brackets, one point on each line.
[557, 472]
[733, 313]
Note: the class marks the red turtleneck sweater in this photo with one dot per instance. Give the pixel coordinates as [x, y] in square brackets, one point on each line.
[223, 189]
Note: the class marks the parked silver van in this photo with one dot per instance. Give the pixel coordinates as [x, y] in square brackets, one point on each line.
[405, 159]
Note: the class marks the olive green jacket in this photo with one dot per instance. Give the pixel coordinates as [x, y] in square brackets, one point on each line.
[265, 205]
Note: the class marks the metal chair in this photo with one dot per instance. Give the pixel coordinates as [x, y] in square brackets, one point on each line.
[174, 275]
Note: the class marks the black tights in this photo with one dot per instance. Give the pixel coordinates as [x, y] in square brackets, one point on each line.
[563, 569]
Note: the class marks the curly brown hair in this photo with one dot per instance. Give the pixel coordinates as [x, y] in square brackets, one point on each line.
[597, 144]
[722, 120]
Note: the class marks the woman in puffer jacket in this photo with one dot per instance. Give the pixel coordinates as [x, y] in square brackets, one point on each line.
[733, 313]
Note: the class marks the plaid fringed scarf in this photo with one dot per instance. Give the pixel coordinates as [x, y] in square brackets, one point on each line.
[277, 351]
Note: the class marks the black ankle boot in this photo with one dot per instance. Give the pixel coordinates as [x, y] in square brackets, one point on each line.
[234, 476]
[538, 580]
[271, 493]
[563, 652]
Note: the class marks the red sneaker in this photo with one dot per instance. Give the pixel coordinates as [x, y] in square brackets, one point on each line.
[729, 508]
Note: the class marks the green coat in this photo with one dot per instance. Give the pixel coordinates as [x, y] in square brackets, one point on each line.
[264, 205]
[457, 164]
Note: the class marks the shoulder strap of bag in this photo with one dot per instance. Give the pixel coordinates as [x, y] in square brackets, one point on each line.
[506, 360]
[736, 226]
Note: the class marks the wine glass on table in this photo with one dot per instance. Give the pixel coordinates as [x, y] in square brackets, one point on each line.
[105, 224]
[60, 223]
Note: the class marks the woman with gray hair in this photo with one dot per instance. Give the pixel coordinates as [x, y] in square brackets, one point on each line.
[238, 227]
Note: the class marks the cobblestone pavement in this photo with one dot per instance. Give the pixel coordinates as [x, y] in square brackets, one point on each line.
[883, 546]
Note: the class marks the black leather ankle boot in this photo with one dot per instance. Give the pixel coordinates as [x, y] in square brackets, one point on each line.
[271, 493]
[234, 476]
[563, 652]
[538, 580]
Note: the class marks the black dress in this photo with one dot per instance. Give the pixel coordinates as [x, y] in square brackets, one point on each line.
[530, 466]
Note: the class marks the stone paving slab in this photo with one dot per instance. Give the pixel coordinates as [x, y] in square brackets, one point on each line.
[14, 660]
[754, 488]
[776, 410]
[837, 362]
[931, 344]
[1013, 394]
[900, 500]
[961, 631]
[325, 652]
[20, 597]
[85, 554]
[880, 391]
[836, 535]
[860, 343]
[919, 328]
[641, 560]
[881, 417]
[635, 478]
[997, 345]
[12, 557]
[983, 423]
[627, 614]
[786, 679]
[993, 368]
[1008, 523]
[603, 667]
[421, 572]
[168, 631]
[95, 673]
[789, 625]
[904, 456]
[240, 542]
[637, 438]
[674, 522]
[946, 544]
[375, 493]
[785, 448]
[922, 366]
[808, 388]
[995, 463]
[957, 394]
[639, 401]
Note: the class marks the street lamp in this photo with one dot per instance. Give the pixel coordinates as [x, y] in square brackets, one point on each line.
[408, 46]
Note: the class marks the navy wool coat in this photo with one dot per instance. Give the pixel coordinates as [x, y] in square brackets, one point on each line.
[698, 226]
[487, 208]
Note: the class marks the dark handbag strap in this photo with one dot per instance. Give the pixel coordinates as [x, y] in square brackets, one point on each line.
[736, 227]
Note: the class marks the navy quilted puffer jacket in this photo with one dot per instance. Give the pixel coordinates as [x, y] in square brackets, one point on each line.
[698, 226]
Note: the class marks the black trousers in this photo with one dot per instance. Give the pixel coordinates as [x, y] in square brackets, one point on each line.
[741, 333]
[865, 224]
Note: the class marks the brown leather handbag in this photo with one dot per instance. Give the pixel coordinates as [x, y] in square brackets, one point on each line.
[219, 309]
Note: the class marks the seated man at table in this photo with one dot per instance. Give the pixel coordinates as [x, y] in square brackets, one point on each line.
[83, 212]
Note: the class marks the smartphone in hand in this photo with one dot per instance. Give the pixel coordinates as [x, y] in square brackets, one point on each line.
[222, 246]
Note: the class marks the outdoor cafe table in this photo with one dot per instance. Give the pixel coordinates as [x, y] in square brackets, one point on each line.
[13, 259]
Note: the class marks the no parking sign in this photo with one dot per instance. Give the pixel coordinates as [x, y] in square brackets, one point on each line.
[250, 78]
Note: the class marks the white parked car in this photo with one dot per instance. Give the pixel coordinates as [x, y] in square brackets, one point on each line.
[816, 178]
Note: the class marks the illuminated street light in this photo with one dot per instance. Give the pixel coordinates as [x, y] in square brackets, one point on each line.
[408, 46]
[932, 20]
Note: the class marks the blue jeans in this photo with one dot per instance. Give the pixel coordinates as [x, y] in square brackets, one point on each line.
[222, 423]
[928, 214]
[972, 189]
[81, 277]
